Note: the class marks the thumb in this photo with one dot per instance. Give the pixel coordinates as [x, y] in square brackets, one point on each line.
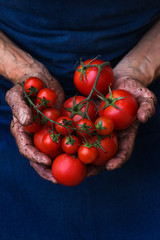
[15, 99]
[147, 101]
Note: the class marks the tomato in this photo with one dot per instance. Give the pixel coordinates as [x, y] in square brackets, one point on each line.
[51, 141]
[85, 127]
[104, 125]
[33, 127]
[51, 113]
[87, 154]
[38, 136]
[70, 144]
[57, 153]
[65, 121]
[47, 97]
[123, 112]
[75, 111]
[84, 77]
[33, 82]
[68, 170]
[110, 147]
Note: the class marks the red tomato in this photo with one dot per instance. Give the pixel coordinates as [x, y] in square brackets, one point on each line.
[127, 112]
[51, 141]
[65, 121]
[51, 113]
[87, 154]
[33, 82]
[110, 147]
[38, 136]
[71, 109]
[33, 127]
[47, 96]
[57, 153]
[68, 170]
[85, 84]
[70, 144]
[104, 125]
[85, 127]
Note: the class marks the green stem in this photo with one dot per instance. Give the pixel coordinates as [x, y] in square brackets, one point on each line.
[87, 99]
[52, 121]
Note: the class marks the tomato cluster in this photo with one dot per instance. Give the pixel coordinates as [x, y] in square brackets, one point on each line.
[79, 134]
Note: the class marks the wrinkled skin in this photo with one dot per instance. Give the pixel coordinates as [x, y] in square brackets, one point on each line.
[22, 117]
[41, 163]
[147, 101]
[134, 73]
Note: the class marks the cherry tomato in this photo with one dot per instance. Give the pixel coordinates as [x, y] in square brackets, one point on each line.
[87, 154]
[33, 82]
[68, 170]
[51, 113]
[110, 147]
[85, 127]
[85, 77]
[47, 96]
[75, 111]
[104, 125]
[65, 121]
[123, 112]
[38, 136]
[70, 144]
[51, 141]
[57, 153]
[33, 127]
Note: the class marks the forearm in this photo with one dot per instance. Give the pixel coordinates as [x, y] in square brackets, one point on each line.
[143, 61]
[16, 64]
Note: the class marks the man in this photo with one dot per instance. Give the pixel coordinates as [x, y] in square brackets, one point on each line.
[127, 34]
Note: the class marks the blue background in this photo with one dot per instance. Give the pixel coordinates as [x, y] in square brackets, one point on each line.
[121, 204]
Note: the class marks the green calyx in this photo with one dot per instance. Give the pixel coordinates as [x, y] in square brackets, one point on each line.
[99, 126]
[84, 127]
[84, 67]
[110, 101]
[32, 90]
[70, 140]
[55, 137]
[88, 144]
[44, 102]
[66, 122]
[76, 109]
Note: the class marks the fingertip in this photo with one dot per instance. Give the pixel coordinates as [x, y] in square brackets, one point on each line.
[143, 116]
[53, 180]
[41, 158]
[114, 164]
[24, 115]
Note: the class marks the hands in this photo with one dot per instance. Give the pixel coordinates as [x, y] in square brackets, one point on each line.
[134, 73]
[126, 138]
[42, 163]
[22, 117]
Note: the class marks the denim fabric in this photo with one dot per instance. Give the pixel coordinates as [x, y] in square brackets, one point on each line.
[116, 205]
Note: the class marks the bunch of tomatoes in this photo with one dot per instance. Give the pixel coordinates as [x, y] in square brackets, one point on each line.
[81, 134]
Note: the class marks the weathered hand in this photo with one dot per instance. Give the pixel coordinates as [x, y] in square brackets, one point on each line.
[22, 117]
[15, 96]
[39, 161]
[126, 138]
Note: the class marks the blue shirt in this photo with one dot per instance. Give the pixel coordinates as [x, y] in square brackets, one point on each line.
[58, 33]
[118, 205]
